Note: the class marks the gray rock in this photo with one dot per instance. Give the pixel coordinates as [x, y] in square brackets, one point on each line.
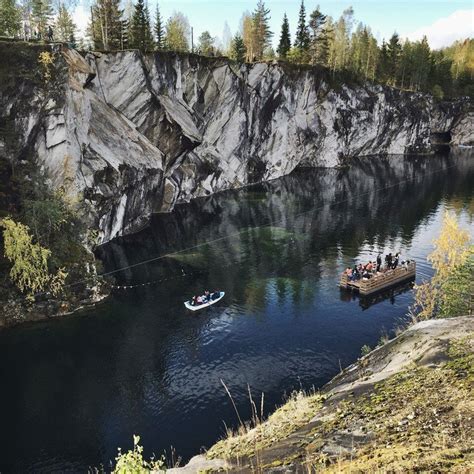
[139, 134]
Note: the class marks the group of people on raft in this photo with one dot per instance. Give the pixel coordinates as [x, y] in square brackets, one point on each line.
[205, 298]
[372, 268]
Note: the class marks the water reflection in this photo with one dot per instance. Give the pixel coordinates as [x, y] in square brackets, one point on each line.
[366, 301]
[294, 229]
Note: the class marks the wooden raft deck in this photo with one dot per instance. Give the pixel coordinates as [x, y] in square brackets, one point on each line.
[381, 280]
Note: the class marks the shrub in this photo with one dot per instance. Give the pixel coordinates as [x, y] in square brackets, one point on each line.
[132, 460]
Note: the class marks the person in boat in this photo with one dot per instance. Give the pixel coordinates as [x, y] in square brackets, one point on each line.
[215, 295]
[369, 267]
[194, 300]
[207, 296]
[348, 272]
[379, 262]
[388, 260]
[395, 261]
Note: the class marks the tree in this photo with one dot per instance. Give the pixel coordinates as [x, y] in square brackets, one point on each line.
[107, 27]
[159, 30]
[295, 56]
[42, 12]
[449, 293]
[64, 27]
[248, 36]
[206, 44]
[10, 18]
[29, 260]
[302, 33]
[177, 32]
[237, 50]
[318, 38]
[269, 54]
[226, 38]
[363, 55]
[339, 46]
[394, 51]
[140, 28]
[261, 29]
[285, 40]
[383, 67]
[422, 64]
[440, 77]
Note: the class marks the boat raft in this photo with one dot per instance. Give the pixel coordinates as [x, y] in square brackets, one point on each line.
[381, 280]
[204, 305]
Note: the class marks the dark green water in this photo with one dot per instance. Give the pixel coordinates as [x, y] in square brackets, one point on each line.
[75, 389]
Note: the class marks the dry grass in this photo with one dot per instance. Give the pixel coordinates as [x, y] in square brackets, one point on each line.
[251, 438]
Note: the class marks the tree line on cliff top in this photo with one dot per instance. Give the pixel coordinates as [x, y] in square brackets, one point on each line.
[339, 45]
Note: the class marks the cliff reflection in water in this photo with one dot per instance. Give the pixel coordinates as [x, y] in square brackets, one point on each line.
[284, 229]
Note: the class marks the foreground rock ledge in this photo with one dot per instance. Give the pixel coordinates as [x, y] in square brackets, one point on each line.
[406, 406]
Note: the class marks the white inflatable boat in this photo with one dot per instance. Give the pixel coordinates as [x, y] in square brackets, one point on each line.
[204, 305]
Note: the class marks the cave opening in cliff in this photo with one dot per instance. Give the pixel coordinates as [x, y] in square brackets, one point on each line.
[441, 138]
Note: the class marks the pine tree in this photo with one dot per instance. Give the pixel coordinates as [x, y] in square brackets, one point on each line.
[140, 29]
[107, 26]
[318, 38]
[10, 18]
[285, 40]
[302, 33]
[383, 68]
[261, 29]
[238, 49]
[42, 11]
[64, 26]
[394, 50]
[159, 30]
[406, 66]
[422, 63]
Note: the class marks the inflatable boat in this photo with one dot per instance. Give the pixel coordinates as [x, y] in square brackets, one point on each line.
[204, 305]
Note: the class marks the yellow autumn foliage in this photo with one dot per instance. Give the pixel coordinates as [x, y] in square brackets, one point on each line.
[450, 291]
[29, 260]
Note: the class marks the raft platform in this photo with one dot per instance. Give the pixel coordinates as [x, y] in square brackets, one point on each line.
[380, 281]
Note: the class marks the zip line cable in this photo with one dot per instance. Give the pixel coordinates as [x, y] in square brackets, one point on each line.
[268, 224]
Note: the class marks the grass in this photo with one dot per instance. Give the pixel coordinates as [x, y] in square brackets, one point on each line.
[421, 419]
[252, 437]
[418, 420]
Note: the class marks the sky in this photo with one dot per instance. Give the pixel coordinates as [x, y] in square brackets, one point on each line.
[442, 21]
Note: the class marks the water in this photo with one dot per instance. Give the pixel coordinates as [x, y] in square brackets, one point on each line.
[75, 389]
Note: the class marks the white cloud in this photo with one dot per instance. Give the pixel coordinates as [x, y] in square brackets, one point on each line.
[80, 16]
[443, 32]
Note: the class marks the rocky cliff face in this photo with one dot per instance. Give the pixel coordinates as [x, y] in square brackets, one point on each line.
[138, 134]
